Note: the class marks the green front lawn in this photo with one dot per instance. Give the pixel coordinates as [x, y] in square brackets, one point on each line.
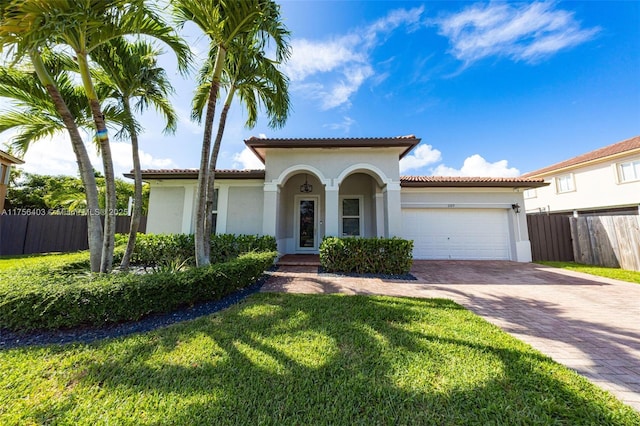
[615, 273]
[305, 359]
[50, 259]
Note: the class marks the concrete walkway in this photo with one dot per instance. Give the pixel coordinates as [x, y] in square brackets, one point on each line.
[587, 323]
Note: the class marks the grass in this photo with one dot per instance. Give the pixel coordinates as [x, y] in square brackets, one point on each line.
[305, 359]
[615, 273]
[50, 259]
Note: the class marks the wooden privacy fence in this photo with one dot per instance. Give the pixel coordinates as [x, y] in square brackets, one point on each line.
[612, 241]
[550, 238]
[26, 234]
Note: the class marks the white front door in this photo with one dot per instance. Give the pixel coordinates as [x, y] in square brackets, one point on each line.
[306, 223]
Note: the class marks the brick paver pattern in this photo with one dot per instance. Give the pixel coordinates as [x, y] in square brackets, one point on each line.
[589, 324]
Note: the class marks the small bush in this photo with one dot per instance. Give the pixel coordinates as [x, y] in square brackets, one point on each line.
[49, 299]
[165, 249]
[391, 256]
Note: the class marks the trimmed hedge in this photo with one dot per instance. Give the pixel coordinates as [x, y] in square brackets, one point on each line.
[391, 256]
[164, 249]
[46, 299]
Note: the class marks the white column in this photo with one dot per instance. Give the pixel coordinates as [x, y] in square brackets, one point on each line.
[393, 216]
[331, 211]
[270, 213]
[380, 216]
[188, 211]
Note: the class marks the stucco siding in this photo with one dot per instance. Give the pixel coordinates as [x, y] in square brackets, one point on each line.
[595, 186]
[244, 211]
[166, 207]
[332, 165]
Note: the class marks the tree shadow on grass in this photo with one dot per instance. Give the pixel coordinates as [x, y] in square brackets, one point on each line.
[330, 359]
[612, 352]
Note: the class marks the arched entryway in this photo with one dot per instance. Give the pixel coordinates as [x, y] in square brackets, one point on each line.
[300, 222]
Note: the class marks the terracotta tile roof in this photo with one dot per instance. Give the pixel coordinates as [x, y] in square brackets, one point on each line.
[464, 181]
[627, 146]
[258, 145]
[193, 174]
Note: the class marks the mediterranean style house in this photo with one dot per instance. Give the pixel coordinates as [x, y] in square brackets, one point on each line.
[6, 161]
[311, 188]
[604, 181]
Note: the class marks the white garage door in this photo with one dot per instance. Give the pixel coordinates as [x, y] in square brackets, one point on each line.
[457, 233]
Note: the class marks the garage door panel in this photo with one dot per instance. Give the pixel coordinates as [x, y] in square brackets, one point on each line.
[457, 233]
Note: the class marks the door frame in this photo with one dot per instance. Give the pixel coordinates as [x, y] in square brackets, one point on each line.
[296, 223]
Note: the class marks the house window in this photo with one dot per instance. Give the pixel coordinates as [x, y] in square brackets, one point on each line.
[530, 193]
[214, 214]
[351, 222]
[565, 183]
[630, 171]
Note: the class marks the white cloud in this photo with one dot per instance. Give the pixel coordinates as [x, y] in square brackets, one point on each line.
[345, 126]
[56, 157]
[246, 159]
[523, 31]
[476, 166]
[343, 62]
[422, 156]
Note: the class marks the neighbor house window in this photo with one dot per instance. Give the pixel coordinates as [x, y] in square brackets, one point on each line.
[214, 214]
[351, 216]
[565, 183]
[630, 171]
[530, 193]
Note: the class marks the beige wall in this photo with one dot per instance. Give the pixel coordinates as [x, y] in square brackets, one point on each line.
[596, 186]
[166, 208]
[244, 212]
[172, 206]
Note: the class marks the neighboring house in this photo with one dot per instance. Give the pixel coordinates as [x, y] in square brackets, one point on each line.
[311, 188]
[6, 161]
[604, 181]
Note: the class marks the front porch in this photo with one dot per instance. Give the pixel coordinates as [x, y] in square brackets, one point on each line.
[306, 206]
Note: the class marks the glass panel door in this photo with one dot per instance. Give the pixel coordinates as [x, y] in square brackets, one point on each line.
[307, 232]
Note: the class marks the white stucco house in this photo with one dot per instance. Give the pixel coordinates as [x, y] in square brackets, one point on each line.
[311, 188]
[603, 181]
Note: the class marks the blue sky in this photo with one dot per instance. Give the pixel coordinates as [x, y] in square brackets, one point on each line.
[492, 89]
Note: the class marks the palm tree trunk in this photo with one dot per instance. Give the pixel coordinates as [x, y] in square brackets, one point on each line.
[212, 166]
[107, 163]
[137, 192]
[202, 240]
[94, 226]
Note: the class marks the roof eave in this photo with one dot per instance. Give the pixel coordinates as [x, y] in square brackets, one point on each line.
[453, 184]
[546, 171]
[10, 158]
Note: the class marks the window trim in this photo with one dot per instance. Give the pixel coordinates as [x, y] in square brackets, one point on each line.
[360, 216]
[572, 180]
[214, 210]
[530, 193]
[635, 167]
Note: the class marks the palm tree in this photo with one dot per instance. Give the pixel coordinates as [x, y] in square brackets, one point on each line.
[257, 81]
[41, 111]
[84, 25]
[224, 22]
[131, 74]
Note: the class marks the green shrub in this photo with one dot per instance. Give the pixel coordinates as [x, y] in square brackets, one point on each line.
[47, 299]
[366, 255]
[167, 249]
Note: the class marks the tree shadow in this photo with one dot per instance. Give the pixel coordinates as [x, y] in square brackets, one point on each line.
[249, 368]
[613, 353]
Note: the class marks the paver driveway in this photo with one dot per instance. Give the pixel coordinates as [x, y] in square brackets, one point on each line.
[589, 324]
